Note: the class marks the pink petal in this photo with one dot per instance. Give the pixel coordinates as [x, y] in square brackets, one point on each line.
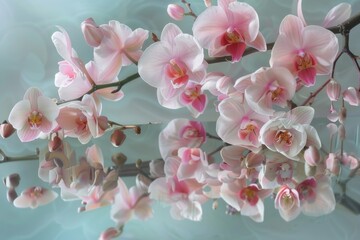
[169, 32]
[19, 114]
[307, 76]
[302, 115]
[337, 15]
[236, 50]
[292, 27]
[48, 108]
[26, 134]
[300, 12]
[200, 103]
[32, 94]
[229, 192]
[109, 233]
[94, 156]
[143, 209]
[259, 43]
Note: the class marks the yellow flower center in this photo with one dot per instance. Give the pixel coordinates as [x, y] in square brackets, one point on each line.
[283, 136]
[35, 119]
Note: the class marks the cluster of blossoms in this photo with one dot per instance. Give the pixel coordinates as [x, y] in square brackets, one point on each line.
[269, 145]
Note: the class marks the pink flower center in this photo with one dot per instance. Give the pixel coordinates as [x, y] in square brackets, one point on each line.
[81, 122]
[35, 119]
[231, 37]
[36, 192]
[304, 61]
[283, 136]
[250, 194]
[306, 190]
[249, 132]
[176, 71]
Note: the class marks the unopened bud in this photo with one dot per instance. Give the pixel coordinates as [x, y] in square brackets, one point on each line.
[118, 159]
[81, 209]
[138, 163]
[342, 132]
[137, 130]
[333, 164]
[215, 205]
[207, 3]
[55, 144]
[6, 130]
[342, 115]
[110, 233]
[176, 12]
[312, 156]
[92, 33]
[310, 170]
[11, 195]
[154, 37]
[352, 96]
[117, 138]
[333, 90]
[12, 181]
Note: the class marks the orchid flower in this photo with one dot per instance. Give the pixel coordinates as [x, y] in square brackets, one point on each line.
[171, 63]
[34, 115]
[288, 202]
[304, 51]
[226, 29]
[34, 197]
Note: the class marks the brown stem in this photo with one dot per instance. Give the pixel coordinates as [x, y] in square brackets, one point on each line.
[191, 12]
[6, 158]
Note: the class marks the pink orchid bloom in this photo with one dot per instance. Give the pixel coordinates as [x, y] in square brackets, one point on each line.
[34, 197]
[304, 51]
[72, 78]
[120, 46]
[34, 115]
[129, 203]
[287, 201]
[272, 86]
[277, 171]
[194, 99]
[226, 29]
[218, 85]
[316, 196]
[97, 198]
[290, 133]
[238, 124]
[180, 133]
[185, 197]
[337, 15]
[248, 199]
[171, 63]
[82, 119]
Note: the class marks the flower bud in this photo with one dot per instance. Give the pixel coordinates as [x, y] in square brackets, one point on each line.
[55, 144]
[110, 233]
[175, 11]
[118, 159]
[215, 205]
[11, 195]
[312, 156]
[352, 96]
[92, 33]
[342, 132]
[333, 164]
[333, 90]
[207, 3]
[12, 181]
[6, 130]
[342, 115]
[117, 138]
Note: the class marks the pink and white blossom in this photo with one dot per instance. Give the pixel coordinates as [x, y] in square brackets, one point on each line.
[171, 63]
[290, 133]
[34, 197]
[129, 203]
[33, 115]
[238, 124]
[227, 29]
[180, 133]
[305, 51]
[248, 199]
[194, 99]
[287, 201]
[272, 86]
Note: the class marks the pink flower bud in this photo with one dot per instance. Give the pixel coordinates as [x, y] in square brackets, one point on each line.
[117, 138]
[352, 96]
[207, 3]
[175, 11]
[333, 164]
[55, 144]
[92, 33]
[11, 195]
[333, 90]
[6, 130]
[342, 115]
[12, 181]
[119, 159]
[110, 233]
[342, 132]
[350, 161]
[312, 156]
